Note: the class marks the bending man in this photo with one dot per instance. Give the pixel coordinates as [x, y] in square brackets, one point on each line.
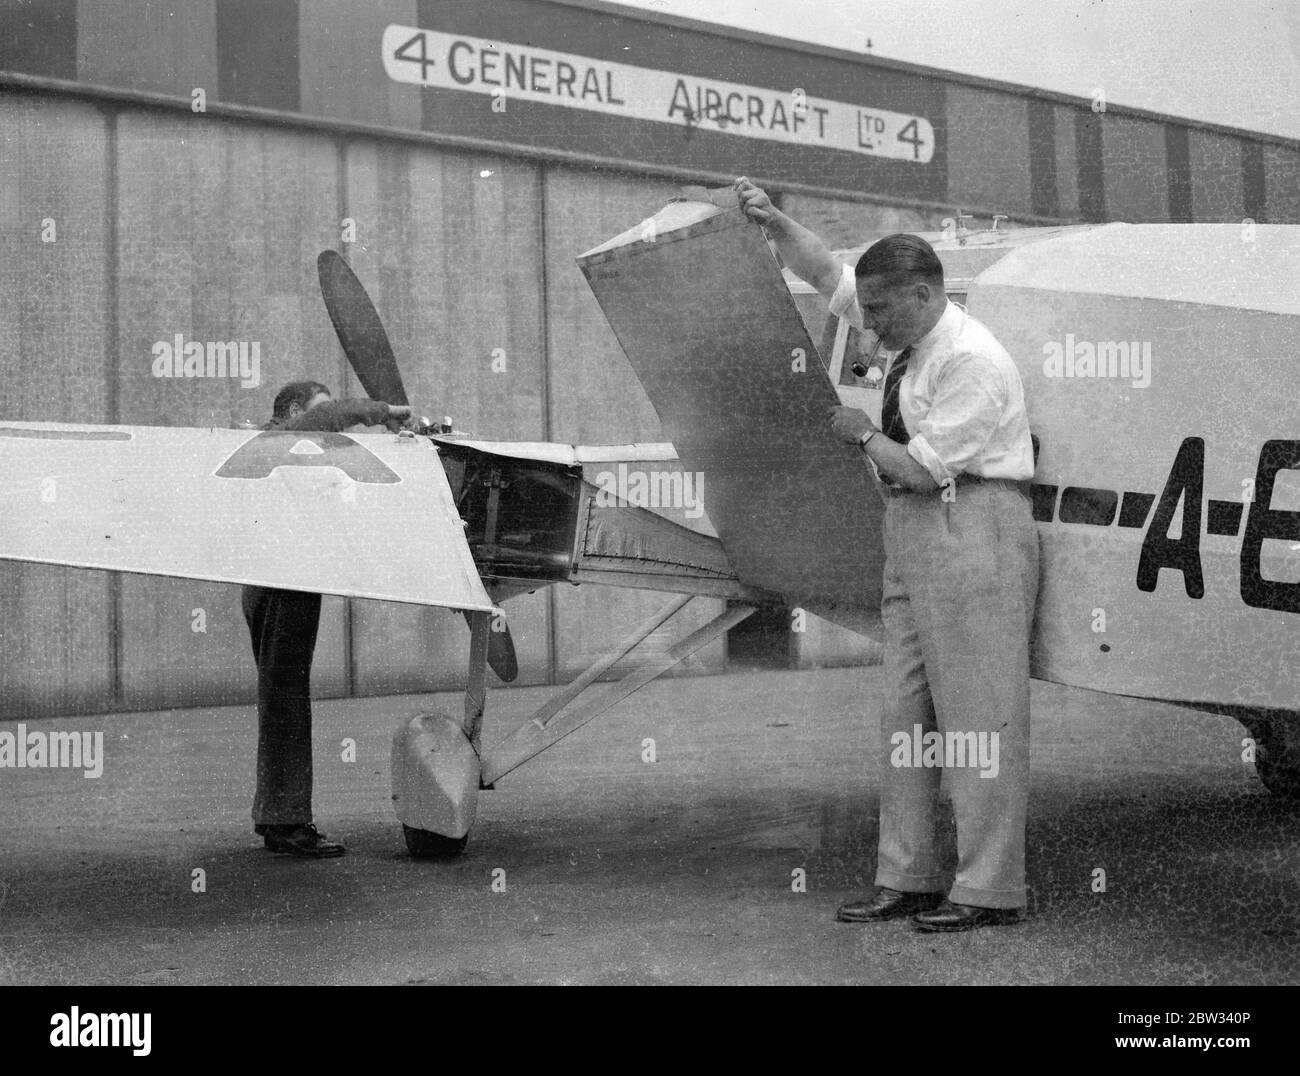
[283, 626]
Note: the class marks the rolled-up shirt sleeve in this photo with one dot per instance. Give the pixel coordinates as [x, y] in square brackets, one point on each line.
[844, 302]
[969, 401]
[337, 415]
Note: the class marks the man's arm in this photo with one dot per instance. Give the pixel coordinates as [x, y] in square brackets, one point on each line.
[803, 252]
[893, 460]
[896, 463]
[808, 257]
[337, 415]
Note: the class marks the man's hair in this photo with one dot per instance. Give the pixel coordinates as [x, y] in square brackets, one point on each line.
[901, 258]
[296, 392]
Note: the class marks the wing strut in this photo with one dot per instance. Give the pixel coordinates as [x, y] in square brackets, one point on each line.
[546, 727]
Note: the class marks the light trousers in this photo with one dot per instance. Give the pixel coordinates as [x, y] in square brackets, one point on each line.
[960, 586]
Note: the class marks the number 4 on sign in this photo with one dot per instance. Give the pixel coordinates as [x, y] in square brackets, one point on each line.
[402, 52]
[911, 134]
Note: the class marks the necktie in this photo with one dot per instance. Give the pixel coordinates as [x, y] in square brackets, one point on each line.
[891, 419]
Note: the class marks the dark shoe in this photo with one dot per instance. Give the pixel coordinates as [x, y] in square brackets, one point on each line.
[886, 904]
[299, 839]
[949, 917]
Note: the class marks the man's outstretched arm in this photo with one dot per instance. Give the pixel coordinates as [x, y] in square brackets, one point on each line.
[803, 252]
[337, 415]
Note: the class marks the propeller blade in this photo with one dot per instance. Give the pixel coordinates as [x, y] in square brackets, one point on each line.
[359, 330]
[501, 653]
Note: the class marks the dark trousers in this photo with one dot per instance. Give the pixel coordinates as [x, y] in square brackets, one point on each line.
[283, 626]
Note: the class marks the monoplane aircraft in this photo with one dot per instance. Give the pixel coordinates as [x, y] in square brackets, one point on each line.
[1158, 363]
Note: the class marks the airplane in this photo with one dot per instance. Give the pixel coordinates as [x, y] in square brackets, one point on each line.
[723, 344]
[1157, 361]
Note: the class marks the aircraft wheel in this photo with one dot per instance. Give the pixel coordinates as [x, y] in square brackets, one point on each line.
[425, 845]
[1278, 762]
[1280, 780]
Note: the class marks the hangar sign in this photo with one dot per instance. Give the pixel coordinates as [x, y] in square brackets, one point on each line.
[452, 62]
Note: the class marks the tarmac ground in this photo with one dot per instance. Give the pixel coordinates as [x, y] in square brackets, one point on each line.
[722, 861]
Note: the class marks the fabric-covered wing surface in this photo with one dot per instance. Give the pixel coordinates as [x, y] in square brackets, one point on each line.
[700, 308]
[361, 515]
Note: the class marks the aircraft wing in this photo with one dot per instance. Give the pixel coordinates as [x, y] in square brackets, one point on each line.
[361, 515]
[568, 455]
[698, 303]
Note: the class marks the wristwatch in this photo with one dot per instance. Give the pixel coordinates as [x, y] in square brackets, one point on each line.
[862, 441]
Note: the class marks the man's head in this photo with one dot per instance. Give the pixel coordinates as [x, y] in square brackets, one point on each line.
[900, 289]
[297, 397]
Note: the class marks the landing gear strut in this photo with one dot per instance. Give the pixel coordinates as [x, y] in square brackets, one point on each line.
[439, 768]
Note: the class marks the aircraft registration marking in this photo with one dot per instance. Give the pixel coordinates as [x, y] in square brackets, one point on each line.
[1096, 507]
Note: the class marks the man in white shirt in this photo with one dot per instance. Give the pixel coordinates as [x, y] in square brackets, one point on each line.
[953, 456]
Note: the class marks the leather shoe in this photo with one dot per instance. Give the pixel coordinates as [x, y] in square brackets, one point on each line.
[886, 903]
[950, 917]
[299, 839]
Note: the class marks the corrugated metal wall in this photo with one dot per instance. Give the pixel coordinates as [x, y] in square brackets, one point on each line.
[57, 626]
[167, 223]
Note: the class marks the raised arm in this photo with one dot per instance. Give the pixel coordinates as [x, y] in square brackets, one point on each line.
[803, 252]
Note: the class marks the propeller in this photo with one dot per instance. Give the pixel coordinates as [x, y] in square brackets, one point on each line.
[356, 321]
[359, 329]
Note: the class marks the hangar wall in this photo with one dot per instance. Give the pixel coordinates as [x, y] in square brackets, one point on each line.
[207, 224]
[211, 229]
